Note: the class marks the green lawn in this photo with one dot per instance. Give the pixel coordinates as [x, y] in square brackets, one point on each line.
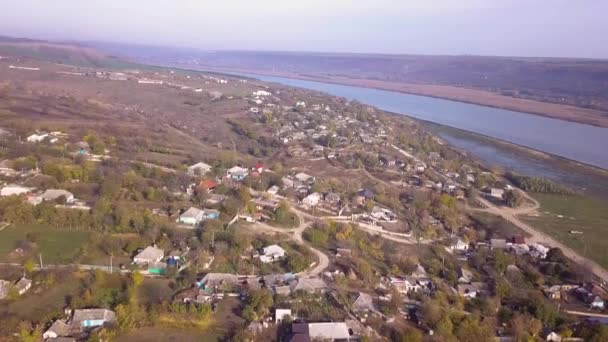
[56, 246]
[561, 214]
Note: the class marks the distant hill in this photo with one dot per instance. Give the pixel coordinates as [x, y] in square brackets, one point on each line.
[576, 88]
[64, 53]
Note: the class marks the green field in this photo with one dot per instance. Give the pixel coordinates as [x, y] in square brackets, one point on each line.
[561, 214]
[56, 246]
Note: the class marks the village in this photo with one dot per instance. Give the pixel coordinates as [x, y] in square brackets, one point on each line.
[316, 218]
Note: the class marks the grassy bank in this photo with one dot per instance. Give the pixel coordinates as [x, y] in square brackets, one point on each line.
[561, 214]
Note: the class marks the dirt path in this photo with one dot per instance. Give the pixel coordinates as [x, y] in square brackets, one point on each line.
[296, 236]
[539, 237]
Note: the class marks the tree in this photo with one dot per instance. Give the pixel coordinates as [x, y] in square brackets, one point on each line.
[513, 198]
[137, 278]
[29, 266]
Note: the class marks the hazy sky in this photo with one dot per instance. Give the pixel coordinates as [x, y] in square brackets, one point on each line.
[573, 28]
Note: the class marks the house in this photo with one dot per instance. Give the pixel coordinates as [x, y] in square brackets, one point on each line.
[538, 251]
[211, 214]
[405, 285]
[549, 335]
[23, 285]
[282, 290]
[207, 185]
[36, 138]
[363, 303]
[312, 199]
[5, 286]
[288, 183]
[237, 173]
[498, 244]
[364, 195]
[272, 253]
[149, 255]
[597, 303]
[273, 190]
[14, 189]
[304, 178]
[193, 216]
[55, 194]
[59, 328]
[458, 245]
[497, 193]
[310, 285]
[464, 275]
[332, 198]
[281, 314]
[199, 169]
[83, 148]
[472, 290]
[325, 331]
[261, 93]
[91, 318]
[553, 292]
[215, 280]
[259, 168]
[382, 214]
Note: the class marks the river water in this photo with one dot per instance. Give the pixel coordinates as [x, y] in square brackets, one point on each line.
[579, 142]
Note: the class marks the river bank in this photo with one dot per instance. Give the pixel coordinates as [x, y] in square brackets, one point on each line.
[502, 155]
[465, 95]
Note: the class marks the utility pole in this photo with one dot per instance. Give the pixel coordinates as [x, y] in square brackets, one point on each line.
[213, 239]
[40, 257]
[111, 255]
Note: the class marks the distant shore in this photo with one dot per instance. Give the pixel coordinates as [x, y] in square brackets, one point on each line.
[586, 174]
[466, 95]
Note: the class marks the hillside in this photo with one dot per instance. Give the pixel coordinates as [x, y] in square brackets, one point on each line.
[63, 53]
[571, 89]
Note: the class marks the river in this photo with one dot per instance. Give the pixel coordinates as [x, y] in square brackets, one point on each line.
[579, 142]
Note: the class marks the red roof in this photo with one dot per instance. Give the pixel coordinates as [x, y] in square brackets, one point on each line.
[208, 184]
[259, 166]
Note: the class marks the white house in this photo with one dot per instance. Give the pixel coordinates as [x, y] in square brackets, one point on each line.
[261, 93]
[312, 199]
[328, 331]
[149, 255]
[59, 328]
[199, 169]
[192, 216]
[497, 193]
[237, 173]
[272, 253]
[23, 285]
[54, 194]
[281, 314]
[14, 189]
[300, 104]
[273, 190]
[91, 318]
[459, 245]
[36, 138]
[305, 178]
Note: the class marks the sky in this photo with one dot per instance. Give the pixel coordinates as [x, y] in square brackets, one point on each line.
[554, 28]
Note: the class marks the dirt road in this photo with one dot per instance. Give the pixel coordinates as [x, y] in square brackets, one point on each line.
[296, 236]
[539, 237]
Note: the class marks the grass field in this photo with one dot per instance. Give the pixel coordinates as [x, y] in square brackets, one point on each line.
[56, 246]
[561, 214]
[497, 225]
